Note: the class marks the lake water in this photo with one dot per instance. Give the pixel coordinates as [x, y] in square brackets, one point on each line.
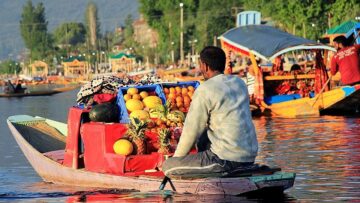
[324, 152]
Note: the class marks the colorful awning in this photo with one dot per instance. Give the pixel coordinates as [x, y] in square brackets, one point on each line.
[266, 42]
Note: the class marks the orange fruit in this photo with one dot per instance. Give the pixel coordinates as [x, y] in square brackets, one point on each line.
[166, 90]
[159, 122]
[179, 99]
[182, 109]
[136, 96]
[184, 91]
[172, 90]
[127, 97]
[179, 104]
[191, 88]
[190, 94]
[178, 90]
[144, 94]
[172, 96]
[186, 99]
[187, 104]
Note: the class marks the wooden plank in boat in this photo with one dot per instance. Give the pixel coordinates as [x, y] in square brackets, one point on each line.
[290, 77]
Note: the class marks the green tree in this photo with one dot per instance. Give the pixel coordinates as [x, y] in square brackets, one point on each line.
[128, 32]
[71, 33]
[212, 21]
[33, 28]
[92, 24]
[10, 67]
[343, 10]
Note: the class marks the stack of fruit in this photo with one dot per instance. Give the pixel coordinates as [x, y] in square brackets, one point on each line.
[163, 117]
[139, 104]
[179, 97]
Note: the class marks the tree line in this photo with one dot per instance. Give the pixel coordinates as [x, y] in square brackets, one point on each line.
[203, 21]
[206, 20]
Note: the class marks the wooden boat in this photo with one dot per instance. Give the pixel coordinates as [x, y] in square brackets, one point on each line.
[39, 93]
[267, 43]
[349, 105]
[43, 142]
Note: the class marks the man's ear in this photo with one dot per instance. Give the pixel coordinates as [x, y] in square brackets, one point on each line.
[206, 67]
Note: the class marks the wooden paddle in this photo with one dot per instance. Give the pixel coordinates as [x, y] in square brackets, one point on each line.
[163, 184]
[321, 91]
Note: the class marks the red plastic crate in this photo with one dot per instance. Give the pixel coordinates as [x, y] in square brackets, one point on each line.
[99, 139]
[99, 155]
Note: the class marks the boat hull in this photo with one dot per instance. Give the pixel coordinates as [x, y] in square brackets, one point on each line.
[341, 101]
[39, 93]
[54, 172]
[348, 106]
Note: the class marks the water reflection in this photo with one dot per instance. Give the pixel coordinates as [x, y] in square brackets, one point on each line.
[324, 152]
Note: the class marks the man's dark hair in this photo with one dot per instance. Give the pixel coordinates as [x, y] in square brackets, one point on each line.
[214, 57]
[341, 40]
[295, 67]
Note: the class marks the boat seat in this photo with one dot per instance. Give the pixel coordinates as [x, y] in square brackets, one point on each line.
[281, 98]
[57, 155]
[253, 170]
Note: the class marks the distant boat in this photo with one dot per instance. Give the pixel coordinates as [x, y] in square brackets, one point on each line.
[39, 93]
[267, 43]
[43, 143]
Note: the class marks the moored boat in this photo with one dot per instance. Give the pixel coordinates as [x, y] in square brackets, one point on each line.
[43, 142]
[40, 92]
[309, 94]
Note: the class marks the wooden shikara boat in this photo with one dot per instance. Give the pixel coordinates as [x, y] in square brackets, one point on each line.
[343, 100]
[39, 93]
[267, 43]
[43, 142]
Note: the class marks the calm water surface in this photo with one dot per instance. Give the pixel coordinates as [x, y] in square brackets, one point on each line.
[324, 152]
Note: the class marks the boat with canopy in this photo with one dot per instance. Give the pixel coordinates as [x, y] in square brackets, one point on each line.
[262, 42]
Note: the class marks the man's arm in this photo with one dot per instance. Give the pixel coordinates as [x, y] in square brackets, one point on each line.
[195, 124]
[333, 66]
[357, 47]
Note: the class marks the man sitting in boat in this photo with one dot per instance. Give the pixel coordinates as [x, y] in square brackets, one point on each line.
[346, 60]
[219, 122]
[9, 87]
[19, 88]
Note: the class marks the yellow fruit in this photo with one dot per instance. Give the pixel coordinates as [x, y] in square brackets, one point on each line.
[152, 101]
[134, 104]
[132, 91]
[123, 147]
[136, 96]
[140, 114]
[127, 97]
[144, 94]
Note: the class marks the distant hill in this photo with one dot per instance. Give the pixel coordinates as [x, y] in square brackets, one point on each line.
[111, 13]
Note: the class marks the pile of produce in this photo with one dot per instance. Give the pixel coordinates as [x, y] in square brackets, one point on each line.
[153, 126]
[179, 97]
[138, 104]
